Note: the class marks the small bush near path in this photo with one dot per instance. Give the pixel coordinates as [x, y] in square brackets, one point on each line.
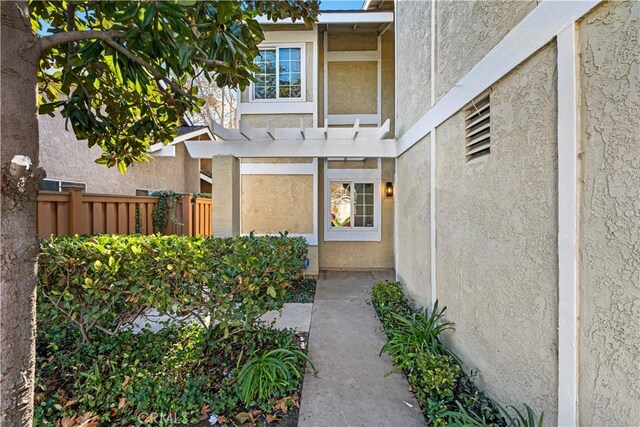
[92, 370]
[301, 292]
[446, 394]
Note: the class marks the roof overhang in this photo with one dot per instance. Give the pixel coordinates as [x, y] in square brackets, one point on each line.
[168, 150]
[350, 17]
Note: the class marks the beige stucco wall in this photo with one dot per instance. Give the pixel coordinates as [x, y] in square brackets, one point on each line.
[388, 80]
[345, 39]
[66, 158]
[609, 340]
[358, 255]
[353, 87]
[497, 240]
[277, 120]
[413, 204]
[413, 61]
[468, 30]
[275, 203]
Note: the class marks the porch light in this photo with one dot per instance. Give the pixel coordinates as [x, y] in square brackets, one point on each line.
[389, 189]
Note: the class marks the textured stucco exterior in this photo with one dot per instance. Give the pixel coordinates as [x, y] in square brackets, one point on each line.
[344, 39]
[65, 158]
[413, 207]
[353, 87]
[358, 255]
[277, 120]
[497, 240]
[609, 340]
[275, 203]
[468, 30]
[413, 59]
[388, 80]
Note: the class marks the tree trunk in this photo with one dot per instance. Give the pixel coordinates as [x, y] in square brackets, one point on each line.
[18, 240]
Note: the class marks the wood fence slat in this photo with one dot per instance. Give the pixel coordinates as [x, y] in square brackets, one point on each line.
[132, 217]
[99, 225]
[111, 217]
[123, 218]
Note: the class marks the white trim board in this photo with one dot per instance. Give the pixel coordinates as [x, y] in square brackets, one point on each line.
[352, 56]
[568, 213]
[362, 17]
[276, 107]
[536, 30]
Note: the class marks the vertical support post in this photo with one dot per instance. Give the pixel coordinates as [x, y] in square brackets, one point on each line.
[75, 208]
[187, 215]
[225, 195]
[433, 218]
[568, 281]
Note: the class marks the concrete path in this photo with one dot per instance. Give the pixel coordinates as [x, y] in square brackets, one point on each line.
[351, 388]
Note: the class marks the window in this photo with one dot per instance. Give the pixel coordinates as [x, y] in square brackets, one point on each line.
[478, 130]
[279, 75]
[352, 204]
[56, 185]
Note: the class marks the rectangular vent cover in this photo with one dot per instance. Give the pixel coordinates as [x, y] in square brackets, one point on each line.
[478, 130]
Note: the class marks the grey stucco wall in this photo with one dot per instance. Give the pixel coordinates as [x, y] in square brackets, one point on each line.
[468, 30]
[65, 158]
[497, 239]
[413, 57]
[609, 341]
[413, 207]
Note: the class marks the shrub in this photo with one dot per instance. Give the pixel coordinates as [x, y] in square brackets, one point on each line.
[124, 375]
[275, 372]
[389, 300]
[415, 334]
[101, 283]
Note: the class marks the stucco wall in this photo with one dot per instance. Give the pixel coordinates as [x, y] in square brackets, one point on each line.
[274, 203]
[609, 341]
[66, 158]
[277, 120]
[358, 255]
[413, 61]
[497, 240]
[353, 87]
[388, 80]
[468, 30]
[413, 204]
[344, 38]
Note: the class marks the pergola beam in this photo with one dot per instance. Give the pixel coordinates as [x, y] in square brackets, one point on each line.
[294, 148]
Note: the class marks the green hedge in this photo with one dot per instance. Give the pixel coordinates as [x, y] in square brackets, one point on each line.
[100, 283]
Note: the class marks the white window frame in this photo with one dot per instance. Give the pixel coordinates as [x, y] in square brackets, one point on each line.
[303, 73]
[354, 234]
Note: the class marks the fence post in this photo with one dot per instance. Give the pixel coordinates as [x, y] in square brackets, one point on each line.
[75, 208]
[187, 215]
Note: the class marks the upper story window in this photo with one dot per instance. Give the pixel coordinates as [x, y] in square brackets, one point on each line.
[280, 74]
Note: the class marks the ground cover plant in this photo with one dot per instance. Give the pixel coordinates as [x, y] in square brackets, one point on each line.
[303, 292]
[446, 394]
[91, 368]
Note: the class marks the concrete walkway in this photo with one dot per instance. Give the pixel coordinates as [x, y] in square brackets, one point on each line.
[351, 388]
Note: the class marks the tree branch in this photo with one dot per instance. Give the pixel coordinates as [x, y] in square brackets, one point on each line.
[158, 75]
[214, 62]
[47, 42]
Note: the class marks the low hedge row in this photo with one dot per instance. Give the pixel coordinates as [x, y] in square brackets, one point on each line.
[447, 395]
[102, 283]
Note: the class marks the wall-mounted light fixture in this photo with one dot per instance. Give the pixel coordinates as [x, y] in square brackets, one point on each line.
[389, 189]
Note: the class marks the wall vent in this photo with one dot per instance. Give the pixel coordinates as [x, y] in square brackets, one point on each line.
[478, 130]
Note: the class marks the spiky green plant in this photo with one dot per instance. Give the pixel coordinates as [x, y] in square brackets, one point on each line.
[416, 334]
[271, 374]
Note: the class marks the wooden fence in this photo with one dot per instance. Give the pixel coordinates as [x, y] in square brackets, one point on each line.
[73, 212]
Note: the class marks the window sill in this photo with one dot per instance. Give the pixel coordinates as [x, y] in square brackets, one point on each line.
[352, 236]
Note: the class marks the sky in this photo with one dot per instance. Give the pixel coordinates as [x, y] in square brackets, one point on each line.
[341, 4]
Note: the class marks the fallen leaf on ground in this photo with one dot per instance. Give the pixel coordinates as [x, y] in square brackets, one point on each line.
[271, 418]
[204, 411]
[126, 381]
[223, 420]
[242, 417]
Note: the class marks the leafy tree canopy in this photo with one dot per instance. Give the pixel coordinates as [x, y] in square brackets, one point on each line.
[122, 73]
